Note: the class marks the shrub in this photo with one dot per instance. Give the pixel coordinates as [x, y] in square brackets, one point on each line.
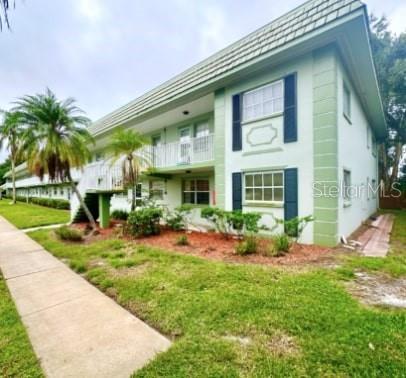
[119, 214]
[50, 202]
[294, 227]
[247, 246]
[69, 234]
[178, 219]
[280, 245]
[232, 222]
[144, 222]
[182, 240]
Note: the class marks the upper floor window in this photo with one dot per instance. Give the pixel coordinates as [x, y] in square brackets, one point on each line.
[264, 187]
[263, 101]
[202, 129]
[346, 101]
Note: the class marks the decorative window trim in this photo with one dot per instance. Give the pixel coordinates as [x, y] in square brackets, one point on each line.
[262, 187]
[260, 93]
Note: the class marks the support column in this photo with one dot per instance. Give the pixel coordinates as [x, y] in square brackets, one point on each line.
[104, 210]
[219, 147]
[325, 159]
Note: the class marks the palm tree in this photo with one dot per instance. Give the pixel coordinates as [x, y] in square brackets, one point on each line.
[56, 139]
[11, 132]
[126, 146]
[4, 8]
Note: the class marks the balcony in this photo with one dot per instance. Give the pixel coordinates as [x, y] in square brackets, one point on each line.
[181, 153]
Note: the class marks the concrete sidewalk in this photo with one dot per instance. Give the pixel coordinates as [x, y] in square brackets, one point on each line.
[76, 330]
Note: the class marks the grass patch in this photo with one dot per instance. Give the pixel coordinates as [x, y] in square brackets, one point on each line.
[243, 320]
[17, 358]
[24, 215]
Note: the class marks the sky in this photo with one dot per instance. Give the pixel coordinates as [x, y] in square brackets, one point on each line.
[106, 53]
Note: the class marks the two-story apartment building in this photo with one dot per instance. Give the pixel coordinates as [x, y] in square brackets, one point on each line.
[283, 122]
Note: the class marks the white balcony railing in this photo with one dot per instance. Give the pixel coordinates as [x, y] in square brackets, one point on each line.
[195, 150]
[105, 176]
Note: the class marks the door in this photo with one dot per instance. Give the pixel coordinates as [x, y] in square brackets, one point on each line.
[184, 145]
[157, 153]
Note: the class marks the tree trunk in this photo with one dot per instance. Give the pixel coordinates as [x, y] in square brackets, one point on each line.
[13, 179]
[384, 165]
[133, 185]
[82, 203]
[395, 168]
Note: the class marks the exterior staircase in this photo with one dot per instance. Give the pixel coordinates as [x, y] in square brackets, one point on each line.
[92, 202]
[97, 178]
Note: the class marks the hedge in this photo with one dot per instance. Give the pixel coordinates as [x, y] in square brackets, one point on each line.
[47, 202]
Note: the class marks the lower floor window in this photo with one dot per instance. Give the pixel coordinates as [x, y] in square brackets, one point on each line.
[156, 190]
[264, 187]
[347, 185]
[196, 191]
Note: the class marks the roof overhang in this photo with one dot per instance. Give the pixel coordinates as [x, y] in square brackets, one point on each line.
[349, 33]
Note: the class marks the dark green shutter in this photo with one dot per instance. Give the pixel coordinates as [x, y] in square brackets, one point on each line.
[237, 132]
[290, 109]
[291, 193]
[237, 190]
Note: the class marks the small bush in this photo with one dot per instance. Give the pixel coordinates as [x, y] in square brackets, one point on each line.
[178, 219]
[232, 222]
[280, 245]
[69, 234]
[119, 215]
[247, 246]
[182, 240]
[144, 222]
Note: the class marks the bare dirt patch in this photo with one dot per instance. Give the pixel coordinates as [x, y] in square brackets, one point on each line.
[282, 345]
[379, 290]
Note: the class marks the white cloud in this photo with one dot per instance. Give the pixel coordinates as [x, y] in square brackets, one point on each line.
[397, 19]
[212, 31]
[92, 10]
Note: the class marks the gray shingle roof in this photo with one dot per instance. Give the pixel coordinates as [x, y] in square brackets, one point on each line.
[294, 24]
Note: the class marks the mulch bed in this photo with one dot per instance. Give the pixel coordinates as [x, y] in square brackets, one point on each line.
[214, 246]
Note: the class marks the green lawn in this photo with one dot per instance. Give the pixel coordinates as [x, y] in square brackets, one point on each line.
[17, 358]
[24, 215]
[230, 320]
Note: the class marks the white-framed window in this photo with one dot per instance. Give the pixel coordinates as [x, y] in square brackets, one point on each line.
[346, 101]
[263, 186]
[347, 185]
[263, 102]
[196, 191]
[156, 190]
[202, 129]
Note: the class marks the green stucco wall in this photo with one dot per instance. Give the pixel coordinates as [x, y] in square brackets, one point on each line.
[325, 162]
[219, 146]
